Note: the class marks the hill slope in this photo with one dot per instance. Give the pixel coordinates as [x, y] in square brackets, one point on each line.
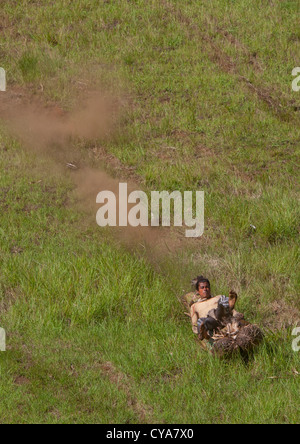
[95, 331]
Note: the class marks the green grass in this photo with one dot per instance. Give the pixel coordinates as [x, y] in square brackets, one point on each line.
[207, 105]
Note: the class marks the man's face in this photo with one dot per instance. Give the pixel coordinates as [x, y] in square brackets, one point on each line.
[204, 290]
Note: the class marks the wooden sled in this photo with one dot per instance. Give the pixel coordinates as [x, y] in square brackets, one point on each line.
[237, 336]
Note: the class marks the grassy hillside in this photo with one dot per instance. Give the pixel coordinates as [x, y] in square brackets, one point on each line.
[95, 331]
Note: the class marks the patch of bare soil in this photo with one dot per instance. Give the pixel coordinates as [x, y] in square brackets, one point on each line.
[21, 380]
[122, 382]
[10, 297]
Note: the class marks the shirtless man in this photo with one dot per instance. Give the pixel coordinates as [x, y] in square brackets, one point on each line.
[206, 303]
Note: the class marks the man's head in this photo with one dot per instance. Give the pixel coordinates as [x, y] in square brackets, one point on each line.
[203, 287]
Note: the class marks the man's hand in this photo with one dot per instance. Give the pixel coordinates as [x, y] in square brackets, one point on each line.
[232, 299]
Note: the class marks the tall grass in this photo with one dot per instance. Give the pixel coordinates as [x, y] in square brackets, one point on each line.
[209, 106]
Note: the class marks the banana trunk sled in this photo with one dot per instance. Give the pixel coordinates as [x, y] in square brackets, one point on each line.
[220, 328]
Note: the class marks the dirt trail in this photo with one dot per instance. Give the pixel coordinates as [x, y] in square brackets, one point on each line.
[49, 131]
[278, 103]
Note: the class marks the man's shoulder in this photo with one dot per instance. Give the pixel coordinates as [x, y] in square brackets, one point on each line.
[190, 298]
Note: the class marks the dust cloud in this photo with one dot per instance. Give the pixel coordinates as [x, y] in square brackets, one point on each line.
[52, 132]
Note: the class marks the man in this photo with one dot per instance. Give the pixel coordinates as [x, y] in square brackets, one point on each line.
[203, 303]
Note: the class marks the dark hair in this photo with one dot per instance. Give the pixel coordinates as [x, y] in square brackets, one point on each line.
[199, 279]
